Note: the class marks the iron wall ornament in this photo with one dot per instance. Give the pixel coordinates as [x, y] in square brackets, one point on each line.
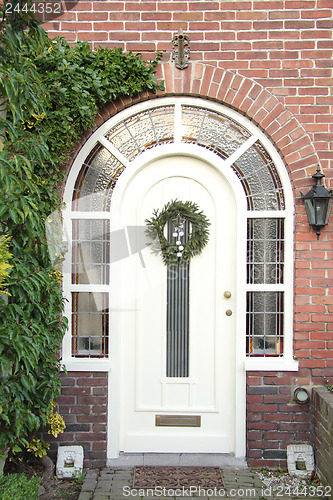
[318, 202]
[177, 212]
[181, 49]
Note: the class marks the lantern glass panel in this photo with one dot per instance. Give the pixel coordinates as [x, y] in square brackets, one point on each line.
[310, 211]
[320, 209]
[328, 210]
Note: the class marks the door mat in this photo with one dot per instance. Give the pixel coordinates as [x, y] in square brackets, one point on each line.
[177, 477]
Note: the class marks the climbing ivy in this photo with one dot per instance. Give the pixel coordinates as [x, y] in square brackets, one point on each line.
[50, 93]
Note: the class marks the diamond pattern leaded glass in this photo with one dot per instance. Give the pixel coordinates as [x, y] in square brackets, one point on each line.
[96, 181]
[212, 130]
[143, 131]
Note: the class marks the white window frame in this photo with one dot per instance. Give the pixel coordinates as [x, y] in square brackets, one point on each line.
[285, 362]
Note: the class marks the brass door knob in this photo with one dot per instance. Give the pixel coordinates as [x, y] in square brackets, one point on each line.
[228, 312]
[227, 294]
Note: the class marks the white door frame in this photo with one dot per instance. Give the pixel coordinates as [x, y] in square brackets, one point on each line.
[111, 364]
[223, 167]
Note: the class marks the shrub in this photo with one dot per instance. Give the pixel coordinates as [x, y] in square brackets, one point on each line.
[51, 92]
[19, 487]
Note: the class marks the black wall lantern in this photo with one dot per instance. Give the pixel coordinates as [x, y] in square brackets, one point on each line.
[318, 203]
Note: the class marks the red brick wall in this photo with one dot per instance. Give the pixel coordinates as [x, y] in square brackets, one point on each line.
[272, 61]
[83, 405]
[322, 434]
[273, 420]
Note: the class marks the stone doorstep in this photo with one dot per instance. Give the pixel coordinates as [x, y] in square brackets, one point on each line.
[225, 461]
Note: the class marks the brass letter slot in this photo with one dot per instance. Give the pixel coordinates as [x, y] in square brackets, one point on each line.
[177, 421]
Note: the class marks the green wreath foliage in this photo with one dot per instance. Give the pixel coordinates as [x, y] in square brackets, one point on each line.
[198, 238]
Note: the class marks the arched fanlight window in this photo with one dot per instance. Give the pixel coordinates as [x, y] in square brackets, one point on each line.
[220, 134]
[246, 151]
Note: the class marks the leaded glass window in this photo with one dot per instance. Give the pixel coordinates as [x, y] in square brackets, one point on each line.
[212, 131]
[90, 324]
[96, 181]
[143, 131]
[90, 267]
[260, 180]
[265, 251]
[205, 128]
[90, 251]
[264, 323]
[265, 266]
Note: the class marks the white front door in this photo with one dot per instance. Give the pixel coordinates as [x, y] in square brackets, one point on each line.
[195, 413]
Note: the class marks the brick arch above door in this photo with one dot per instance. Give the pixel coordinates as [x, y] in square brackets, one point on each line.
[245, 96]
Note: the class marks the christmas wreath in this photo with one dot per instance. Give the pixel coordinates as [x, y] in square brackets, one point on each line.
[178, 213]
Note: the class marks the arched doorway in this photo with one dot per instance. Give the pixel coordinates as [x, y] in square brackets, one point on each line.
[137, 161]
